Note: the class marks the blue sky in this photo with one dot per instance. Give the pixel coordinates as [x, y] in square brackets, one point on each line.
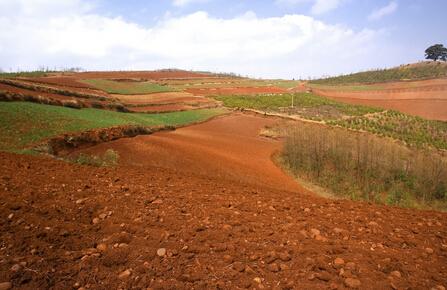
[274, 39]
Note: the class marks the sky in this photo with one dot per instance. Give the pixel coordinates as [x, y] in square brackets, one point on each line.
[291, 39]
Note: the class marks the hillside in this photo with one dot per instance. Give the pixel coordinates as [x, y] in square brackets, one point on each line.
[417, 71]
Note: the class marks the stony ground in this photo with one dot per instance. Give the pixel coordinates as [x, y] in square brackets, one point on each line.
[67, 226]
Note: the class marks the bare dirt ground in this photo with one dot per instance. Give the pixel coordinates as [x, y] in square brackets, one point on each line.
[171, 224]
[165, 102]
[227, 147]
[426, 99]
[429, 109]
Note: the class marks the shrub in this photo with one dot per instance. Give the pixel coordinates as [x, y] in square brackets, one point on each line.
[109, 158]
[71, 104]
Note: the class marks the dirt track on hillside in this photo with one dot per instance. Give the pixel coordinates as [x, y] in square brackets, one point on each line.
[174, 221]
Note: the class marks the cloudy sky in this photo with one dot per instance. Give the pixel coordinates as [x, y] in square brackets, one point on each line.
[258, 38]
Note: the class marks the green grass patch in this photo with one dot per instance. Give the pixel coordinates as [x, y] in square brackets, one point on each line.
[127, 87]
[306, 105]
[23, 124]
[31, 74]
[409, 72]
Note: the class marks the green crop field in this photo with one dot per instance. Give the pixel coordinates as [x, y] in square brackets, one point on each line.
[127, 88]
[23, 124]
[306, 105]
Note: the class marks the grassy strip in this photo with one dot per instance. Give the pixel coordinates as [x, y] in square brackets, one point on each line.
[23, 124]
[127, 88]
[285, 84]
[412, 72]
[32, 74]
[364, 166]
[50, 89]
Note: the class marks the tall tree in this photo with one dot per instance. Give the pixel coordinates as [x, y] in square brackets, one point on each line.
[435, 52]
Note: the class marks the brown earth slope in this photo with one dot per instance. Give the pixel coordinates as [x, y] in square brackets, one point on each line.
[227, 147]
[65, 226]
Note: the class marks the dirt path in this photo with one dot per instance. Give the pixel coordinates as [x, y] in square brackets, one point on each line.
[228, 148]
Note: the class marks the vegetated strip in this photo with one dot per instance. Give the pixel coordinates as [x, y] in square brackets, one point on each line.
[61, 145]
[127, 88]
[48, 89]
[412, 130]
[24, 124]
[7, 96]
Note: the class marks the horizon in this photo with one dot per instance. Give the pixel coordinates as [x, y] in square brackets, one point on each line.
[287, 39]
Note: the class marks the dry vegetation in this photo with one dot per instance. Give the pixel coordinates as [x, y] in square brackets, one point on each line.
[363, 166]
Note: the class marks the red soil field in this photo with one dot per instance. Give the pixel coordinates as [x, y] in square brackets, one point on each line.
[151, 75]
[182, 212]
[156, 98]
[63, 81]
[429, 109]
[236, 91]
[228, 147]
[427, 99]
[12, 89]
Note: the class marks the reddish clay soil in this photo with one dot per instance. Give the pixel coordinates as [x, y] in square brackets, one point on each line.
[160, 98]
[426, 99]
[12, 89]
[429, 109]
[236, 91]
[146, 226]
[64, 81]
[228, 147]
[153, 75]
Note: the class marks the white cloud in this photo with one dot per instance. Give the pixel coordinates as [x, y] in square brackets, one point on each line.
[181, 3]
[288, 46]
[383, 11]
[318, 6]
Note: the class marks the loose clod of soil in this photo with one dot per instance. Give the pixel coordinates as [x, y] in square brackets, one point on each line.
[163, 228]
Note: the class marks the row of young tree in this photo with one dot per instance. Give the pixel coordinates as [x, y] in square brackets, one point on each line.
[364, 166]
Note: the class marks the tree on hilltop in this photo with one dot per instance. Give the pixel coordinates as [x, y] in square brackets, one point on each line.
[435, 52]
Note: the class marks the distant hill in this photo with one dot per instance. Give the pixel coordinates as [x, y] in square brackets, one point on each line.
[416, 71]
